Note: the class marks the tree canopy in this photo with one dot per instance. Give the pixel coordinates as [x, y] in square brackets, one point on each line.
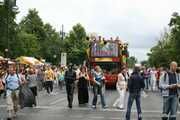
[33, 37]
[132, 61]
[167, 48]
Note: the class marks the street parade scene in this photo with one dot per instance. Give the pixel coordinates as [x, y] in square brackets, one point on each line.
[108, 71]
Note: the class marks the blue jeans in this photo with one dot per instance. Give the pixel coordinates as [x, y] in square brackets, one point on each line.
[137, 98]
[147, 83]
[170, 104]
[98, 90]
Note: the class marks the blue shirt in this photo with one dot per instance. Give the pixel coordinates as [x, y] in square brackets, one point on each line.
[12, 82]
[98, 76]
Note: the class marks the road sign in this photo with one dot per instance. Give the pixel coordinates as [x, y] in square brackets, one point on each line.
[63, 59]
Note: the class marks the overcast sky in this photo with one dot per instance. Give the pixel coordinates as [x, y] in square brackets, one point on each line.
[138, 22]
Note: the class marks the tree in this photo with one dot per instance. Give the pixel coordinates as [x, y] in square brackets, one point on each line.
[33, 37]
[76, 44]
[45, 36]
[145, 63]
[175, 33]
[7, 27]
[132, 61]
[52, 46]
[33, 24]
[26, 45]
[167, 48]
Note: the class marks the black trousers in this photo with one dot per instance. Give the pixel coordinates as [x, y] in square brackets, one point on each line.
[34, 91]
[61, 84]
[83, 95]
[49, 86]
[70, 92]
[1, 92]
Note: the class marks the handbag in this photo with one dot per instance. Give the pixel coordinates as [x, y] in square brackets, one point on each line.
[1, 86]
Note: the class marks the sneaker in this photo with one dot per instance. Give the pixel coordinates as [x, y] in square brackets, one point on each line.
[9, 118]
[105, 107]
[93, 107]
[114, 106]
[120, 108]
[52, 93]
[70, 106]
[14, 115]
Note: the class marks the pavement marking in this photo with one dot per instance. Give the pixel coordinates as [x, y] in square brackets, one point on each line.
[97, 117]
[57, 101]
[88, 108]
[2, 106]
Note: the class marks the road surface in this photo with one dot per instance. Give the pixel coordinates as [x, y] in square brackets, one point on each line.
[54, 107]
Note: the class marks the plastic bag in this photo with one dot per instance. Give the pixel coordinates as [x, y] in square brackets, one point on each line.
[26, 97]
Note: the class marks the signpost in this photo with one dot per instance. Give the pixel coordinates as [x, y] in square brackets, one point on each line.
[63, 59]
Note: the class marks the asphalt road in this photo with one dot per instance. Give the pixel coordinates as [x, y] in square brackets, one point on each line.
[54, 107]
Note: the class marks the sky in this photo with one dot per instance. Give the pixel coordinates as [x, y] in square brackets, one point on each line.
[138, 22]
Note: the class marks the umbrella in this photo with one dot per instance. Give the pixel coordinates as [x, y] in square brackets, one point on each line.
[29, 61]
[1, 58]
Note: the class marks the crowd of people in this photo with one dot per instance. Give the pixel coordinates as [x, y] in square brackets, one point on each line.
[129, 86]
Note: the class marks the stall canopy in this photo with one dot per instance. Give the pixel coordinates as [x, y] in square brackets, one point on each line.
[29, 60]
[1, 58]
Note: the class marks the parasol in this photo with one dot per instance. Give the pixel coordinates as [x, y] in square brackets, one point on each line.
[29, 61]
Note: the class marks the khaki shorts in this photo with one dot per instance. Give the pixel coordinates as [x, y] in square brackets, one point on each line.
[12, 100]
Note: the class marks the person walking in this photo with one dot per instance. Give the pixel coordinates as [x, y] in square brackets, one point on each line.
[60, 77]
[98, 79]
[49, 77]
[40, 78]
[70, 78]
[12, 83]
[32, 83]
[135, 84]
[170, 86]
[145, 75]
[153, 79]
[83, 81]
[121, 87]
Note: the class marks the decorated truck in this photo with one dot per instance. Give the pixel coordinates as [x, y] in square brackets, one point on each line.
[110, 55]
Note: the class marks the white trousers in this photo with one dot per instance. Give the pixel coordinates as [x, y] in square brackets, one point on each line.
[120, 101]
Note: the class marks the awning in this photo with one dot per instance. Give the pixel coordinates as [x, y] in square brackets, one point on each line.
[29, 61]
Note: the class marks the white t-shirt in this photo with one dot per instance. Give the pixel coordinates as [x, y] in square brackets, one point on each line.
[121, 83]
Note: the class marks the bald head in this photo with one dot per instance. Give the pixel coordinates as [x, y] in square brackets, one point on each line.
[173, 66]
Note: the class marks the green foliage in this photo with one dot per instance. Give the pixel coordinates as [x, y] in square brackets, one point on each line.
[131, 61]
[33, 37]
[145, 63]
[7, 27]
[167, 49]
[26, 45]
[76, 44]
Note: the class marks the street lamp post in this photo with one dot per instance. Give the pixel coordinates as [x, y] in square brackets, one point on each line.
[54, 56]
[10, 5]
[62, 33]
